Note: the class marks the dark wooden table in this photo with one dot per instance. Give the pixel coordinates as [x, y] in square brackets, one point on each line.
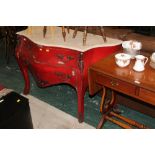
[105, 74]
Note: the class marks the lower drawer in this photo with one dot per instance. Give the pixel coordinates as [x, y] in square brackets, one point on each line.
[48, 75]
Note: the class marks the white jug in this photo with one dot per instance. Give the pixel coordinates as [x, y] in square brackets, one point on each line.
[141, 60]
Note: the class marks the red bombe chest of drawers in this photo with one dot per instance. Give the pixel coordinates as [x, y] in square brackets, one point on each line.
[53, 61]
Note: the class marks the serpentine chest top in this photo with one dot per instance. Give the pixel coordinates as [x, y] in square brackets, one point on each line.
[53, 61]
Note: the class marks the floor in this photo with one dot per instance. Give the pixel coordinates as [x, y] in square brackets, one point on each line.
[45, 116]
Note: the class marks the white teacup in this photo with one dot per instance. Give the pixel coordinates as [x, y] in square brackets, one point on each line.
[122, 59]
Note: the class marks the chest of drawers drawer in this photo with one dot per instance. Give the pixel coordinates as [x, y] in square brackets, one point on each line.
[48, 75]
[49, 55]
[55, 55]
[116, 84]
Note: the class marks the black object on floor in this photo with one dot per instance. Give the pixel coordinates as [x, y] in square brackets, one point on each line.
[15, 112]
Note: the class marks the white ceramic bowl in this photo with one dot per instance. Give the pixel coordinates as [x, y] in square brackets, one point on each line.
[122, 59]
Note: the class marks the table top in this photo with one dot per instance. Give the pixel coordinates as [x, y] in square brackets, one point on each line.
[54, 38]
[144, 79]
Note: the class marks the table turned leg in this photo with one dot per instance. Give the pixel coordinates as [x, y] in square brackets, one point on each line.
[75, 32]
[44, 31]
[129, 121]
[68, 29]
[103, 33]
[85, 35]
[101, 122]
[105, 106]
[108, 113]
[63, 33]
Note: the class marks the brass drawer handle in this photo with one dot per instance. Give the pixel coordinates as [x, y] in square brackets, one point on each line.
[59, 74]
[114, 83]
[59, 56]
[70, 57]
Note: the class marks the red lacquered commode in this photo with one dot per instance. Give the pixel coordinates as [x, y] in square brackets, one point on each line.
[53, 61]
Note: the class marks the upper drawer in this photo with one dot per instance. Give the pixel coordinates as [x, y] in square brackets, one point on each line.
[116, 84]
[147, 95]
[48, 54]
[55, 55]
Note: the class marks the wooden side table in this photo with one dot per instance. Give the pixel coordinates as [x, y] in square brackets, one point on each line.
[139, 85]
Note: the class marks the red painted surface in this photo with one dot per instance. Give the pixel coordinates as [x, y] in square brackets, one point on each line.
[1, 87]
[55, 65]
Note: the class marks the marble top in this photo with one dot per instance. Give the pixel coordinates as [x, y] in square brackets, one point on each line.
[54, 38]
